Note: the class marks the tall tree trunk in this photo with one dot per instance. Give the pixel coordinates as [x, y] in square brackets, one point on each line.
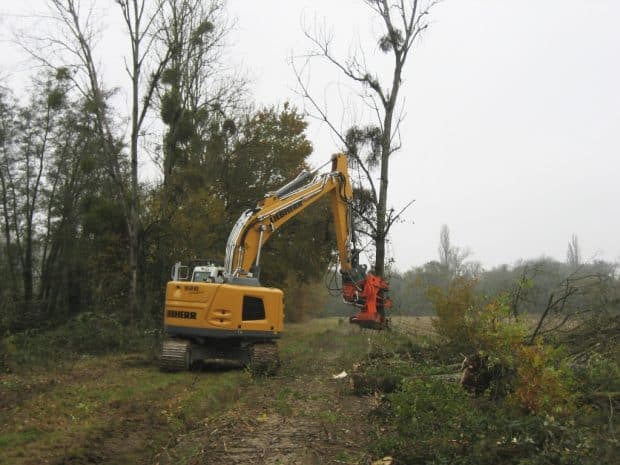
[382, 226]
[27, 271]
[7, 237]
[133, 230]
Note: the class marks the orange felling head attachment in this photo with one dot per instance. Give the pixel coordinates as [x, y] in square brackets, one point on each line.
[372, 314]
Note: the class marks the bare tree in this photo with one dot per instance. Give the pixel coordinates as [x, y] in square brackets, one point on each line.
[141, 31]
[451, 257]
[74, 43]
[402, 23]
[573, 252]
[580, 295]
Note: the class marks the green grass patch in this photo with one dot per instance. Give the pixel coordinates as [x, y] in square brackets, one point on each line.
[84, 335]
[93, 405]
[19, 438]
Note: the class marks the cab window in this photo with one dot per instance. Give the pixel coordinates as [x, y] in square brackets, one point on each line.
[253, 308]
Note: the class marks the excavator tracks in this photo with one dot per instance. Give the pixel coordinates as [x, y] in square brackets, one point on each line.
[264, 358]
[175, 355]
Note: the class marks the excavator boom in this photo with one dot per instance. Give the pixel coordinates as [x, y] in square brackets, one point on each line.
[255, 226]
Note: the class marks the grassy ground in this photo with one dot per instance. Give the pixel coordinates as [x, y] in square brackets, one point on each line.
[114, 409]
[122, 409]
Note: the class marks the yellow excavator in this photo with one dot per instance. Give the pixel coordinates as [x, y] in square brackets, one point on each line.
[215, 313]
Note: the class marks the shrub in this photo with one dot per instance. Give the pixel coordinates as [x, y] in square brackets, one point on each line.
[86, 334]
[451, 308]
[432, 422]
[546, 415]
[545, 383]
[470, 323]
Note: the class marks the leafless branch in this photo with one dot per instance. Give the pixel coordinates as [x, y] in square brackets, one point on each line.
[352, 69]
[394, 218]
[324, 118]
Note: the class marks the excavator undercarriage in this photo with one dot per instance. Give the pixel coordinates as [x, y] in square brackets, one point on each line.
[261, 357]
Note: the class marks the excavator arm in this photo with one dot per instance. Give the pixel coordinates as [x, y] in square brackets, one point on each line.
[255, 226]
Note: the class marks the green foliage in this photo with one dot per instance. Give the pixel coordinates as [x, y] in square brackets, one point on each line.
[86, 334]
[545, 382]
[205, 27]
[452, 308]
[435, 413]
[55, 98]
[270, 149]
[364, 144]
[380, 375]
[493, 329]
[394, 39]
[552, 408]
[63, 73]
[434, 422]
[469, 323]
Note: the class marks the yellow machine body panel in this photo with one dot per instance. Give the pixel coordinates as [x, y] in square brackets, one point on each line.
[223, 310]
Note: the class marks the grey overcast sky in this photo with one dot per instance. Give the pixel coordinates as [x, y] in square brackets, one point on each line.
[512, 128]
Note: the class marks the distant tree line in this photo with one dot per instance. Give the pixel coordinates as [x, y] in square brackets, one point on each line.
[561, 292]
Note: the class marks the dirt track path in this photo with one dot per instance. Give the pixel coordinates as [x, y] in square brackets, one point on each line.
[302, 416]
[320, 425]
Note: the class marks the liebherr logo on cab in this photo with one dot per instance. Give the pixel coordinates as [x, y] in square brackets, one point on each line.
[181, 314]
